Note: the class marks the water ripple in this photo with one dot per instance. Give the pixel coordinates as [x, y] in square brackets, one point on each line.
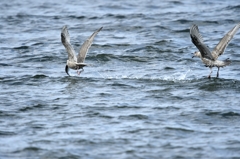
[142, 94]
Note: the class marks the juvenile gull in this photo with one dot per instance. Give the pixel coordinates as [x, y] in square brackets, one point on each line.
[76, 62]
[210, 58]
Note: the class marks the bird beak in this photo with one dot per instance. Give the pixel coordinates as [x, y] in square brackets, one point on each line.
[66, 70]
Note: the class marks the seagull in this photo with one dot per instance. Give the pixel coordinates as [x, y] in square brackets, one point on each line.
[76, 62]
[210, 59]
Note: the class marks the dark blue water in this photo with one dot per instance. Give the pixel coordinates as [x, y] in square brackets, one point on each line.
[143, 96]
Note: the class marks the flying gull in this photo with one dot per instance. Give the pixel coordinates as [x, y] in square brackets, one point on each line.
[210, 59]
[76, 62]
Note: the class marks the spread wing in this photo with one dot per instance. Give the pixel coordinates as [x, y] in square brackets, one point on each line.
[86, 45]
[198, 42]
[66, 43]
[221, 46]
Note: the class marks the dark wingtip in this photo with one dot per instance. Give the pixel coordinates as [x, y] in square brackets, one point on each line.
[66, 70]
[193, 28]
[100, 29]
[62, 38]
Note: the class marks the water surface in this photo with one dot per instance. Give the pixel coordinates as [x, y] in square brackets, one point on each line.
[143, 95]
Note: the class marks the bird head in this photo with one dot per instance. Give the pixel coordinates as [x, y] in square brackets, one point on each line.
[196, 54]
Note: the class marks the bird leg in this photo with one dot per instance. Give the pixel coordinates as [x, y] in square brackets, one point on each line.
[80, 71]
[209, 76]
[218, 72]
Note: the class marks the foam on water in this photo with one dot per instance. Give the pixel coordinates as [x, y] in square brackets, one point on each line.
[178, 76]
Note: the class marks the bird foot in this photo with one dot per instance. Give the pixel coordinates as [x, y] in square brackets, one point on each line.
[79, 71]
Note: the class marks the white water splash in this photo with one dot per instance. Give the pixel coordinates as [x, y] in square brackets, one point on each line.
[179, 76]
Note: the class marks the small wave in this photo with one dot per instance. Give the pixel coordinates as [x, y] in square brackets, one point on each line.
[28, 149]
[104, 57]
[134, 116]
[211, 22]
[21, 47]
[39, 76]
[37, 43]
[168, 68]
[230, 114]
[182, 31]
[223, 114]
[120, 16]
[177, 2]
[162, 42]
[237, 7]
[6, 133]
[147, 48]
[129, 16]
[76, 17]
[183, 21]
[4, 64]
[179, 129]
[32, 107]
[220, 83]
[166, 108]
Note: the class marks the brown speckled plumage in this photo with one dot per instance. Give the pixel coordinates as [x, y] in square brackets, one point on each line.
[210, 59]
[76, 62]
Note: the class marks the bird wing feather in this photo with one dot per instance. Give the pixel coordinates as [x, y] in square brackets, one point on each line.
[86, 45]
[65, 38]
[197, 40]
[223, 43]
